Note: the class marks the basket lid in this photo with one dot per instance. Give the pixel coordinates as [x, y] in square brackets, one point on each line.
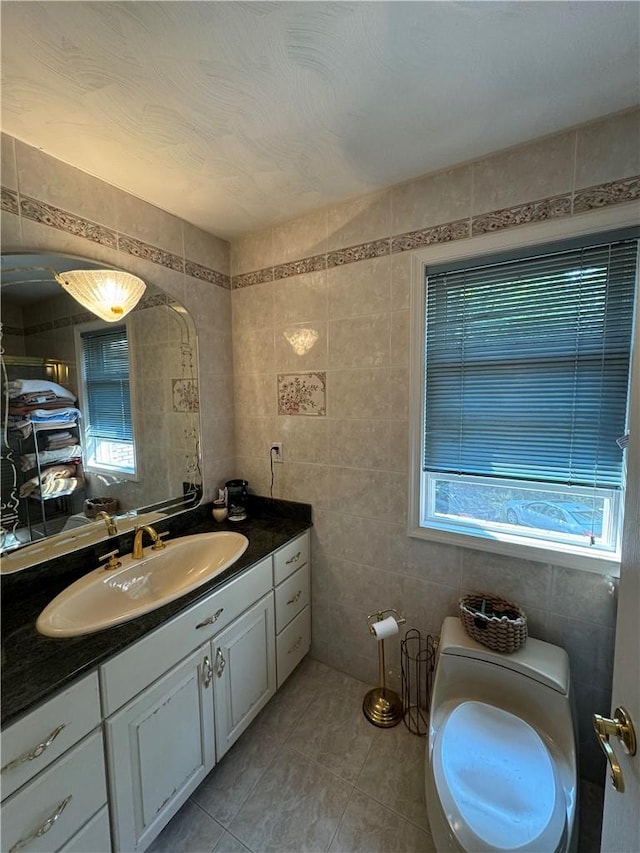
[543, 662]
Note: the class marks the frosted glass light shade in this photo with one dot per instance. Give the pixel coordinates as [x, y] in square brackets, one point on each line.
[110, 294]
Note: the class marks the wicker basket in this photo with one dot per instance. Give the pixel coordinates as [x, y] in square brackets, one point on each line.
[494, 622]
[92, 506]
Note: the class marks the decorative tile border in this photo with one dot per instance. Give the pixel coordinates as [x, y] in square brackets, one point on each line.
[9, 200]
[149, 253]
[603, 195]
[302, 393]
[12, 330]
[362, 252]
[63, 220]
[205, 274]
[615, 192]
[47, 214]
[249, 278]
[521, 214]
[428, 236]
[313, 264]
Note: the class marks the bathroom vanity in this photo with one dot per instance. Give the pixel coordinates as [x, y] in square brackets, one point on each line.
[105, 759]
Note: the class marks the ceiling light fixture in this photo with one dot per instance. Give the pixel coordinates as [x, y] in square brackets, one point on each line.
[110, 294]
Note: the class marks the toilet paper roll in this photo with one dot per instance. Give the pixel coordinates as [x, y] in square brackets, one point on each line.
[385, 628]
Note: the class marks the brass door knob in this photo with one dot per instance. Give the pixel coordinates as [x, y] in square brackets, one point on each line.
[622, 727]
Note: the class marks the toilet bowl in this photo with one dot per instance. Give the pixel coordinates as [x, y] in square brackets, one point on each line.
[501, 772]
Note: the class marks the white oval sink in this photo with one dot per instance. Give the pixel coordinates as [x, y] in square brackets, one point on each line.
[104, 598]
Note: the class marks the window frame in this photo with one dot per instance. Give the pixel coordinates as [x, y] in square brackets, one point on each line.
[92, 468]
[511, 239]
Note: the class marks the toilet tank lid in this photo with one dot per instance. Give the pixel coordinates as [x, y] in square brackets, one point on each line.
[543, 662]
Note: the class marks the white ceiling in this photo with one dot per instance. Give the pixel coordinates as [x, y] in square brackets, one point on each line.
[236, 115]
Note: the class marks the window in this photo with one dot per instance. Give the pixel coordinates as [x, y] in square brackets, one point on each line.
[526, 374]
[106, 399]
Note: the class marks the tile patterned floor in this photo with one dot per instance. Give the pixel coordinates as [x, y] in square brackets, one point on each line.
[311, 774]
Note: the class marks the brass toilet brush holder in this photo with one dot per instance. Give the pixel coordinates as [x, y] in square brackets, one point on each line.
[382, 706]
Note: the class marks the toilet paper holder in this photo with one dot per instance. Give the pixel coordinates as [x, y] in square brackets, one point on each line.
[382, 706]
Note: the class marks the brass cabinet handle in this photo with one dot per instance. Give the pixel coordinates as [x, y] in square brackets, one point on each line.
[295, 646]
[622, 727]
[295, 598]
[207, 671]
[210, 619]
[34, 753]
[294, 559]
[43, 828]
[220, 663]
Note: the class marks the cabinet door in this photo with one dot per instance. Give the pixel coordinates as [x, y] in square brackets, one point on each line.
[244, 665]
[160, 747]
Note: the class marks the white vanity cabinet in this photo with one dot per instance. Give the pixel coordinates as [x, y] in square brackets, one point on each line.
[53, 775]
[160, 746]
[292, 582]
[170, 706]
[165, 739]
[245, 672]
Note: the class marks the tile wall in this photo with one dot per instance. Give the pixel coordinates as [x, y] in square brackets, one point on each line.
[49, 206]
[343, 272]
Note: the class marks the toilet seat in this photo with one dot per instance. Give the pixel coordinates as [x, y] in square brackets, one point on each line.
[497, 782]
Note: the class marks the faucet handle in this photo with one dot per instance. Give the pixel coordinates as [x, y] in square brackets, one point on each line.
[158, 545]
[113, 562]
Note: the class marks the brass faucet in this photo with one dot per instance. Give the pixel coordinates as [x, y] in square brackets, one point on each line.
[112, 528]
[158, 544]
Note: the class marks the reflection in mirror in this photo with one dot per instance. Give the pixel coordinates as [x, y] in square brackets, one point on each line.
[100, 420]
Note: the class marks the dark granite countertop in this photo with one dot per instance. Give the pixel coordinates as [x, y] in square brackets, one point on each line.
[35, 667]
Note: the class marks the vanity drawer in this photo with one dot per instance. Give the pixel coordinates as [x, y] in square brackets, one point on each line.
[124, 676]
[33, 742]
[293, 644]
[62, 797]
[290, 558]
[95, 836]
[291, 596]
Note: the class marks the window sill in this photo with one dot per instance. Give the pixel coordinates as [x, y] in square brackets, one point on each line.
[523, 549]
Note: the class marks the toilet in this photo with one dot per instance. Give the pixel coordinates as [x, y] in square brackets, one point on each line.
[501, 765]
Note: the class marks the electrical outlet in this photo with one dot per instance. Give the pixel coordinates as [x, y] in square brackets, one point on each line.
[276, 451]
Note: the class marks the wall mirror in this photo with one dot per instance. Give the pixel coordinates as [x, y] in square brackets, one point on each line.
[97, 417]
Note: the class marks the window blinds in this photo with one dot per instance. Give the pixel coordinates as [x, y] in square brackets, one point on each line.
[527, 365]
[105, 357]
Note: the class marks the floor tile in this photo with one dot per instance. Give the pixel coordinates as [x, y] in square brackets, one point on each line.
[333, 731]
[190, 831]
[229, 844]
[226, 788]
[367, 827]
[296, 806]
[393, 773]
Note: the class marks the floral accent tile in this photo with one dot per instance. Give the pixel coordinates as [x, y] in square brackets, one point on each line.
[185, 395]
[249, 278]
[9, 200]
[363, 251]
[149, 253]
[152, 301]
[206, 274]
[47, 214]
[427, 236]
[536, 211]
[615, 192]
[313, 264]
[13, 330]
[302, 393]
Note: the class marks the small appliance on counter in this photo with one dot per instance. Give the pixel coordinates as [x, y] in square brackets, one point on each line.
[236, 499]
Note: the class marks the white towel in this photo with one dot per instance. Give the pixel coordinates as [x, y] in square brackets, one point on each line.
[32, 386]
